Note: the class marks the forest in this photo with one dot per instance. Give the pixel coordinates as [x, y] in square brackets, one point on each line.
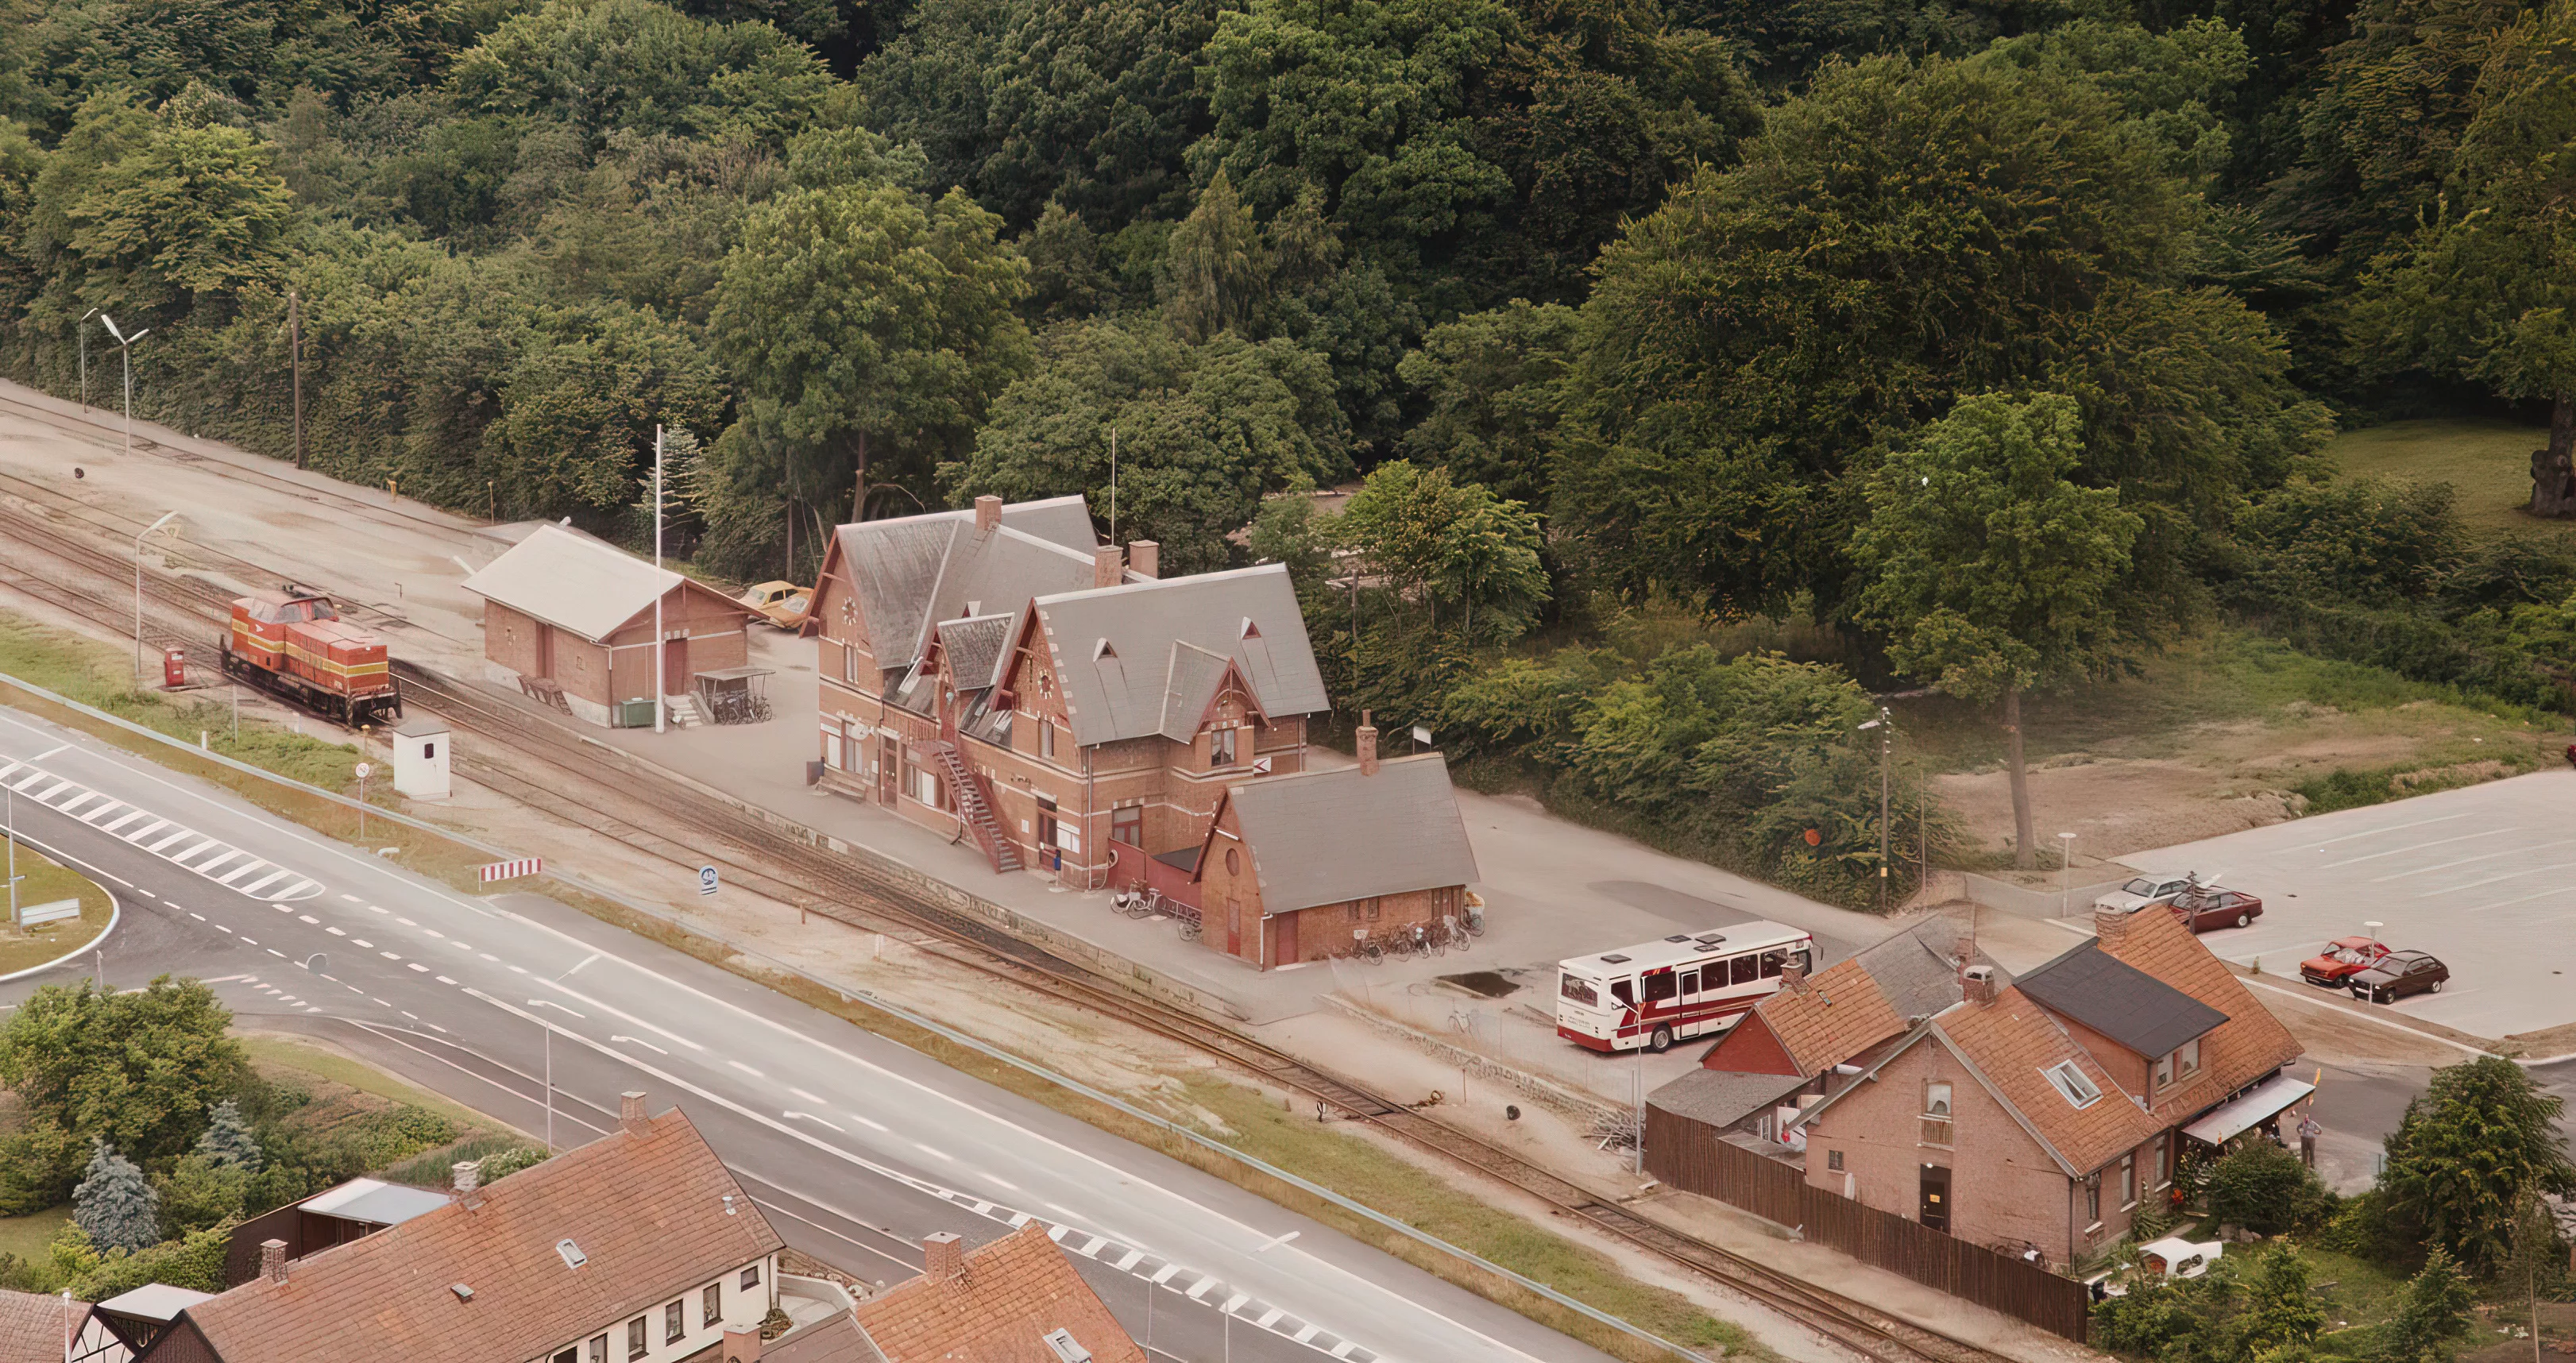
[1980, 345]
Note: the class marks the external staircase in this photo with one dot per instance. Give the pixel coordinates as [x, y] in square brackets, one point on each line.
[974, 800]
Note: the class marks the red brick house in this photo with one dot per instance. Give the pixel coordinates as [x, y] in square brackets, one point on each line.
[1016, 1298]
[1000, 669]
[570, 619]
[1300, 867]
[2044, 1112]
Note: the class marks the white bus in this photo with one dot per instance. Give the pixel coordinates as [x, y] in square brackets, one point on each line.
[1674, 988]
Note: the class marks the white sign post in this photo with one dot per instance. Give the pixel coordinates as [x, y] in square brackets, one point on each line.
[706, 880]
[364, 771]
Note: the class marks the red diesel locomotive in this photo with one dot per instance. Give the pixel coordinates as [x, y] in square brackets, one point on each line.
[294, 645]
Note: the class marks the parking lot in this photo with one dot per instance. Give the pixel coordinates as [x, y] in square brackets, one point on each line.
[2484, 878]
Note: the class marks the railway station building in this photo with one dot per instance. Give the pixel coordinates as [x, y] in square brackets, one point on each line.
[569, 620]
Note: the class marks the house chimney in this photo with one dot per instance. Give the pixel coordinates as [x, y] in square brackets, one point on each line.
[272, 1260]
[988, 514]
[1146, 556]
[1365, 739]
[630, 1114]
[943, 1257]
[1977, 984]
[469, 1182]
[1793, 977]
[1107, 567]
[2111, 925]
[743, 1345]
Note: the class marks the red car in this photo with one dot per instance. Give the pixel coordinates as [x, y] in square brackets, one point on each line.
[2203, 907]
[2342, 959]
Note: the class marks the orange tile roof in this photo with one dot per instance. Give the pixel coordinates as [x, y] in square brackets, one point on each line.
[1840, 1013]
[2010, 1042]
[2249, 1045]
[1013, 1292]
[32, 1326]
[647, 1210]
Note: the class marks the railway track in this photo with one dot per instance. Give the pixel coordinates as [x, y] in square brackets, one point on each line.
[595, 786]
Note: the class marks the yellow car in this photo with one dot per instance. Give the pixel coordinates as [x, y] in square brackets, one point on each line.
[780, 603]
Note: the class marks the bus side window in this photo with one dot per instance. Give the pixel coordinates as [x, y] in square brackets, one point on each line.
[1625, 991]
[1690, 982]
[1660, 987]
[1771, 963]
[1745, 968]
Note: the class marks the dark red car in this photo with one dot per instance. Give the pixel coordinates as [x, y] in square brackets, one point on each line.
[2342, 959]
[2203, 907]
[2400, 974]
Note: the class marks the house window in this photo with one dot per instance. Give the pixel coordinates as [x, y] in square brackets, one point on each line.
[1046, 738]
[599, 1349]
[1936, 1099]
[1834, 1159]
[751, 1277]
[1234, 861]
[2179, 1064]
[711, 1304]
[571, 1355]
[2164, 1160]
[2128, 1181]
[2071, 1084]
[1221, 747]
[1373, 907]
[675, 1322]
[1128, 825]
[635, 1345]
[2093, 1202]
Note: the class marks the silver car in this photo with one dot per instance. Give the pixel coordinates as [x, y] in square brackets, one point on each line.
[2143, 891]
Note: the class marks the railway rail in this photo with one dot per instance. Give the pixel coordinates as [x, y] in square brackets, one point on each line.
[602, 788]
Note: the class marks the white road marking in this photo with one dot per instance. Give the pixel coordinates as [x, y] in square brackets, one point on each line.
[803, 1094]
[2509, 903]
[442, 979]
[934, 1152]
[870, 1125]
[746, 1069]
[112, 827]
[2388, 828]
[810, 1117]
[639, 1041]
[2464, 861]
[2418, 847]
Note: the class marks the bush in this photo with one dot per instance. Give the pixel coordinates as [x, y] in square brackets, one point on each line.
[2265, 1189]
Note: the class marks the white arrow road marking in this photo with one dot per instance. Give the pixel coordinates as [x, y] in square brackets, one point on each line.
[810, 1117]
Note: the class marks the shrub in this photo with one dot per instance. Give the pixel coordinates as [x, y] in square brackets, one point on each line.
[2265, 1189]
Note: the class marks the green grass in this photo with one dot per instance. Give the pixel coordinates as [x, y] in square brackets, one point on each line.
[340, 1069]
[44, 883]
[2489, 462]
[29, 1236]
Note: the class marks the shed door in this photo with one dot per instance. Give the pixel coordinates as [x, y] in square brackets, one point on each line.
[888, 764]
[545, 650]
[1936, 1198]
[675, 667]
[1233, 926]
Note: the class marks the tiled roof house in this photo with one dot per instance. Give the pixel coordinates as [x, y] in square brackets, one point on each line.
[34, 1327]
[1014, 1300]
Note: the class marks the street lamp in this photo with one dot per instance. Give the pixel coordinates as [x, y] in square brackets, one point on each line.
[9, 804]
[2065, 857]
[166, 518]
[84, 347]
[125, 347]
[1886, 725]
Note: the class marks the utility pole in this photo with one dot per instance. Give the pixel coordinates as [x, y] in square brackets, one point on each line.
[295, 360]
[659, 647]
[858, 491]
[1886, 726]
[166, 518]
[1113, 487]
[125, 347]
[84, 361]
[9, 802]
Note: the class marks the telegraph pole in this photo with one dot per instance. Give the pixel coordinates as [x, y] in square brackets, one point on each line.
[295, 359]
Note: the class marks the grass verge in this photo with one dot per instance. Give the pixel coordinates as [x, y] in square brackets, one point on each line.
[45, 882]
[2488, 462]
[271, 1052]
[31, 1237]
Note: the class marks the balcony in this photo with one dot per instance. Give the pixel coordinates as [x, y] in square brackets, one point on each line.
[1935, 1131]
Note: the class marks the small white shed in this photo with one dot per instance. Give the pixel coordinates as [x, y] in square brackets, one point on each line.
[421, 758]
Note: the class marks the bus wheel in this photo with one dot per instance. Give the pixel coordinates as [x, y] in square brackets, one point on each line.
[1662, 1040]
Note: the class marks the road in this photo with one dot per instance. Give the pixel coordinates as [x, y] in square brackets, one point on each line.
[856, 1146]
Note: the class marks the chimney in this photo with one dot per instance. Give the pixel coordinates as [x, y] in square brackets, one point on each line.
[743, 1345]
[469, 1182]
[1146, 556]
[272, 1260]
[2111, 925]
[988, 514]
[1977, 984]
[630, 1114]
[943, 1257]
[1365, 739]
[1793, 977]
[1106, 565]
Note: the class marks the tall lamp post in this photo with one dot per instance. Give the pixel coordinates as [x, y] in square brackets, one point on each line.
[84, 348]
[125, 348]
[166, 518]
[2065, 858]
[9, 803]
[660, 647]
[1886, 726]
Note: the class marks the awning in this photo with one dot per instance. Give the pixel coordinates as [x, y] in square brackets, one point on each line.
[2259, 1104]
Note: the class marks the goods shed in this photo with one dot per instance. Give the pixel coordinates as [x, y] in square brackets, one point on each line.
[569, 619]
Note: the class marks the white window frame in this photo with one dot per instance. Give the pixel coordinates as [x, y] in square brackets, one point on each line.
[2072, 1084]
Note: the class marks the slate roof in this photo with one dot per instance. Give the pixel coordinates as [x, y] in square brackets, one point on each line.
[1014, 1291]
[914, 571]
[1322, 837]
[572, 581]
[33, 1326]
[1722, 1098]
[647, 1210]
[2119, 1001]
[2248, 1045]
[1248, 616]
[2009, 1044]
[974, 647]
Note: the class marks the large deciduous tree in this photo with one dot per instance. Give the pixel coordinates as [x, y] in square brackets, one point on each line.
[1443, 543]
[2480, 1139]
[1492, 385]
[137, 1070]
[1991, 572]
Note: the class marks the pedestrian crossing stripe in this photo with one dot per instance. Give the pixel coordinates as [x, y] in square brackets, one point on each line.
[183, 847]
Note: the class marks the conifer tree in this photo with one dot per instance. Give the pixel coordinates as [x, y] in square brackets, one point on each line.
[113, 1205]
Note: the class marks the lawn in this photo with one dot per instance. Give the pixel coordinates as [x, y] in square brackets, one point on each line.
[45, 883]
[277, 1057]
[2488, 462]
[28, 1236]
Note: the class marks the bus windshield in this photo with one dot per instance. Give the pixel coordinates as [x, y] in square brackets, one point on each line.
[1577, 989]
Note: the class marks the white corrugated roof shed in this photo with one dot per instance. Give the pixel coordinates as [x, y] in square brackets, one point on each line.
[1323, 837]
[572, 581]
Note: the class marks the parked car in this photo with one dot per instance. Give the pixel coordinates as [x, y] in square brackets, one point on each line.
[2143, 891]
[2342, 959]
[2400, 974]
[783, 604]
[2203, 907]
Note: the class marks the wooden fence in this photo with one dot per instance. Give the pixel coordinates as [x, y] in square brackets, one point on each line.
[1688, 1155]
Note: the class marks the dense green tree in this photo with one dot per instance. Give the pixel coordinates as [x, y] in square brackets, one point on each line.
[114, 1205]
[2280, 1310]
[1991, 573]
[1203, 431]
[2264, 1188]
[1491, 387]
[137, 1070]
[1441, 544]
[1219, 265]
[199, 1192]
[1786, 41]
[577, 415]
[2357, 539]
[602, 65]
[2479, 1139]
[2486, 291]
[2174, 85]
[2435, 1314]
[227, 1140]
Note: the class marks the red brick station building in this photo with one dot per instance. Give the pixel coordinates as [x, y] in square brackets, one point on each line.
[1084, 718]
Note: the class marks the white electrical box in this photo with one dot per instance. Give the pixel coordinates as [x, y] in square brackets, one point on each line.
[421, 758]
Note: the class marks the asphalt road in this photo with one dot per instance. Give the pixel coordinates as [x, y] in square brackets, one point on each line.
[856, 1147]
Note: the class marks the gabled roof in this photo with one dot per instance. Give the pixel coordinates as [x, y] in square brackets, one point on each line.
[1870, 998]
[974, 648]
[2248, 1045]
[1323, 837]
[1190, 686]
[1114, 654]
[573, 581]
[2010, 1045]
[914, 571]
[33, 1326]
[2118, 1000]
[1014, 1291]
[648, 1211]
[836, 1340]
[1721, 1097]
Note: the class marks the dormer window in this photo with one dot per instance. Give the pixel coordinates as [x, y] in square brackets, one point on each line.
[2072, 1084]
[1221, 747]
[2180, 1064]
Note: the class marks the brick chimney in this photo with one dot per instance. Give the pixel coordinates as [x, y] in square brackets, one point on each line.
[272, 1260]
[1793, 978]
[1365, 739]
[988, 514]
[742, 1346]
[469, 1182]
[1977, 984]
[1107, 565]
[943, 1257]
[2111, 925]
[1146, 557]
[630, 1114]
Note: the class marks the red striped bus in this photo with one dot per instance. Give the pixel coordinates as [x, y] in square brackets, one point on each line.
[1674, 988]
